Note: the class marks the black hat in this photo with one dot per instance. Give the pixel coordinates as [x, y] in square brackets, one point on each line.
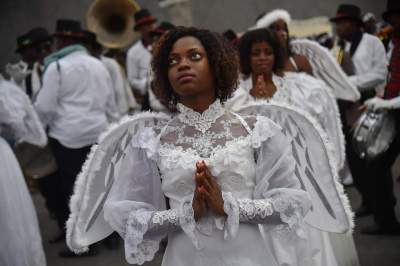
[392, 7]
[346, 11]
[162, 28]
[68, 28]
[91, 38]
[32, 37]
[143, 17]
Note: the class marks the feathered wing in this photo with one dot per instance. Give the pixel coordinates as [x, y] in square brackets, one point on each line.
[326, 68]
[315, 167]
[18, 114]
[86, 224]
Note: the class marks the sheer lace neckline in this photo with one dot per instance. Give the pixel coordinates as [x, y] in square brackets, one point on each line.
[201, 121]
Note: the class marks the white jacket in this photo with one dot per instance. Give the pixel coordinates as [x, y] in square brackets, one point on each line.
[76, 101]
[370, 63]
[138, 66]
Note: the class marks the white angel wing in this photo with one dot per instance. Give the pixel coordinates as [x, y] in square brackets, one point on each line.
[314, 166]
[86, 224]
[326, 68]
[18, 115]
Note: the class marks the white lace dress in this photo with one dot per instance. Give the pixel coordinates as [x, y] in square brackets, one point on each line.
[252, 162]
[308, 94]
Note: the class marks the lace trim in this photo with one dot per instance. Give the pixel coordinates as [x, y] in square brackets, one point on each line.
[201, 121]
[168, 216]
[176, 156]
[231, 208]
[291, 212]
[264, 129]
[141, 250]
[254, 209]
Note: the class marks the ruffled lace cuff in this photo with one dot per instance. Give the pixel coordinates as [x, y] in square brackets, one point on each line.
[291, 213]
[138, 249]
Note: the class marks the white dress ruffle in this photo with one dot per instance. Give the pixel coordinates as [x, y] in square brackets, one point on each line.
[252, 162]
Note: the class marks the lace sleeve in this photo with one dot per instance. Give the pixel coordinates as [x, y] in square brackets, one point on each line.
[278, 200]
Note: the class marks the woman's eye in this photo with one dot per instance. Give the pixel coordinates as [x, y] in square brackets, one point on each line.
[195, 56]
[172, 61]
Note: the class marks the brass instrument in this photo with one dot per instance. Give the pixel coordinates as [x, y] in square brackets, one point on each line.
[112, 21]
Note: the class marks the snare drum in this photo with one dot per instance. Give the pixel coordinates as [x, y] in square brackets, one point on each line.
[373, 134]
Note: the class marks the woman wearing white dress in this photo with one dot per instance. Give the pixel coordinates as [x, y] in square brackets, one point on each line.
[222, 174]
[262, 64]
[20, 241]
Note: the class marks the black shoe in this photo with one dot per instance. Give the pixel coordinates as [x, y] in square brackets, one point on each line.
[58, 238]
[67, 253]
[380, 230]
[363, 211]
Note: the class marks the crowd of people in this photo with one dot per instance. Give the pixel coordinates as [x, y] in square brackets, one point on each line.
[238, 164]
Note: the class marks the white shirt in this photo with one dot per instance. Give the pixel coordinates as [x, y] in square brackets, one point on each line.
[138, 66]
[75, 101]
[123, 95]
[370, 63]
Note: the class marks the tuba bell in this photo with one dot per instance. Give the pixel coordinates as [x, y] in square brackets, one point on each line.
[112, 21]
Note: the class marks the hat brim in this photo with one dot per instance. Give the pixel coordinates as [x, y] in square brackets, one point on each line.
[144, 21]
[76, 35]
[20, 48]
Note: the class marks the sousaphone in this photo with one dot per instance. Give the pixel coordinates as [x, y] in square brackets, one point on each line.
[112, 21]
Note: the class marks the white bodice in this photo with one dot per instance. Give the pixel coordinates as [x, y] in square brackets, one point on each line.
[220, 138]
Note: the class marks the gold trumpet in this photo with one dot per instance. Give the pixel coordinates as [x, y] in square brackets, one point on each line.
[112, 21]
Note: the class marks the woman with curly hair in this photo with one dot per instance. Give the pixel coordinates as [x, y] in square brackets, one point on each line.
[262, 64]
[222, 174]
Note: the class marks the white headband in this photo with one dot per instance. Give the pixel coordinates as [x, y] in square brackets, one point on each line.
[271, 17]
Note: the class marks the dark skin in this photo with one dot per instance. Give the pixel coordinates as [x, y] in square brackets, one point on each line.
[281, 29]
[346, 28]
[144, 31]
[192, 80]
[35, 53]
[262, 60]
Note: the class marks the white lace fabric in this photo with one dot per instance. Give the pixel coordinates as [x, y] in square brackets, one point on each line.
[249, 158]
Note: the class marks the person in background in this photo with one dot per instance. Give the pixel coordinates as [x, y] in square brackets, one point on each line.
[124, 99]
[32, 46]
[74, 104]
[380, 179]
[139, 57]
[369, 21]
[368, 58]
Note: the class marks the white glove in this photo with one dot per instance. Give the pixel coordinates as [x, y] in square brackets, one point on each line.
[376, 104]
[18, 71]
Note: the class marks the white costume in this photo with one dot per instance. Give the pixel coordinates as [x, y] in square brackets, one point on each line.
[370, 63]
[123, 96]
[20, 241]
[76, 101]
[138, 67]
[150, 157]
[309, 94]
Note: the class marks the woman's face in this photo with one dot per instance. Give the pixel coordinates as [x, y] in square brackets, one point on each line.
[189, 71]
[280, 28]
[262, 58]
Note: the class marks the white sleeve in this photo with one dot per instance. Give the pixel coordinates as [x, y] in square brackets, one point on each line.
[278, 199]
[136, 207]
[47, 100]
[136, 81]
[378, 72]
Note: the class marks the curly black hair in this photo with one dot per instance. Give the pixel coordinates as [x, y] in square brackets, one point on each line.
[256, 36]
[221, 56]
